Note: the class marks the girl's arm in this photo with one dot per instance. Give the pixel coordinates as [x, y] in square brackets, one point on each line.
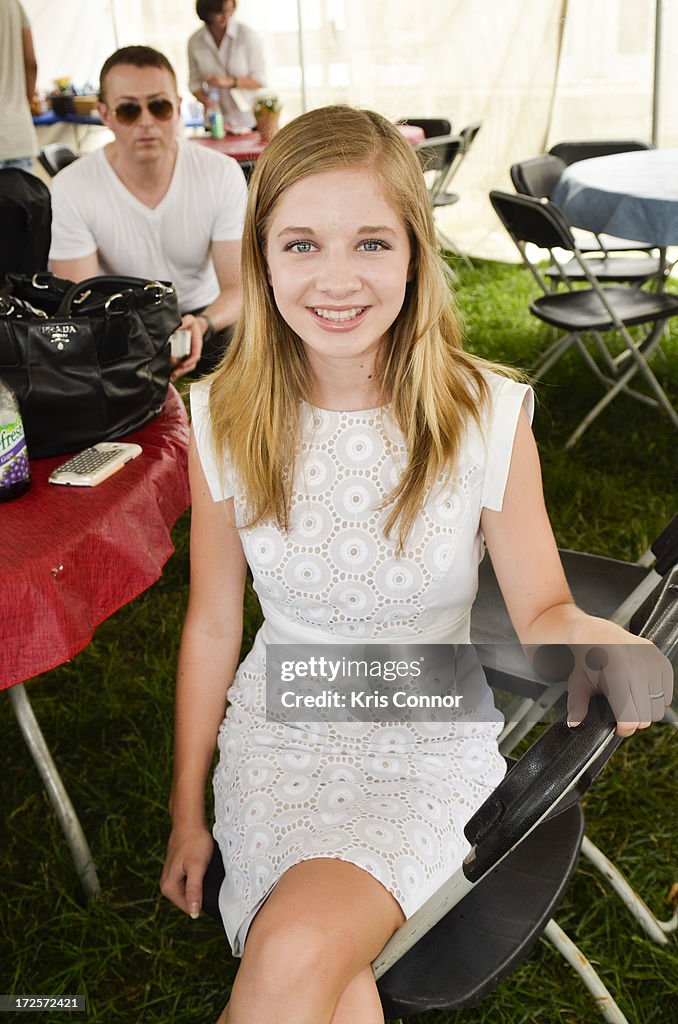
[528, 568]
[208, 657]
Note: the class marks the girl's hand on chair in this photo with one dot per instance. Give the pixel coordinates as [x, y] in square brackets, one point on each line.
[628, 670]
[189, 851]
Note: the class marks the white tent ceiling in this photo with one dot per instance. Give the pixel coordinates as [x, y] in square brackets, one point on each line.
[534, 71]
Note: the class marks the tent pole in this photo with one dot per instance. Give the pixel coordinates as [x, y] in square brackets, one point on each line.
[114, 24]
[657, 69]
[301, 57]
[562, 21]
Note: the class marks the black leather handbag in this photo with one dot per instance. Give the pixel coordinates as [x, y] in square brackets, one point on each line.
[88, 362]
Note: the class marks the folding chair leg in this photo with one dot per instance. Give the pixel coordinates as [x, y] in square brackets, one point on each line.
[56, 791]
[552, 355]
[657, 930]
[447, 243]
[612, 393]
[576, 959]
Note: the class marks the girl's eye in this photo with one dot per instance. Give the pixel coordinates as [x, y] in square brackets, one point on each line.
[301, 247]
[373, 245]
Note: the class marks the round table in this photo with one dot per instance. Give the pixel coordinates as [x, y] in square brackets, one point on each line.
[247, 147]
[629, 195]
[77, 554]
[72, 556]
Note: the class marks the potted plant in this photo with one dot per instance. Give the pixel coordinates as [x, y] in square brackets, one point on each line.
[267, 109]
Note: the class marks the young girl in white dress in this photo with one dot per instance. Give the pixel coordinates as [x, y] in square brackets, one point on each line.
[358, 461]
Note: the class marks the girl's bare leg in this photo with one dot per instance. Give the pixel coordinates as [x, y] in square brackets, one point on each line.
[359, 1003]
[308, 951]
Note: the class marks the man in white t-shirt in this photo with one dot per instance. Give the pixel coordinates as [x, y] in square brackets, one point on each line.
[150, 204]
[18, 70]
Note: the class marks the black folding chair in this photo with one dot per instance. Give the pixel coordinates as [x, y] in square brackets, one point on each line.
[525, 843]
[623, 592]
[588, 149]
[55, 156]
[432, 127]
[538, 177]
[440, 158]
[596, 310]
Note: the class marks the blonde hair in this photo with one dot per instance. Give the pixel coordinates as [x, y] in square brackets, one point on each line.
[433, 385]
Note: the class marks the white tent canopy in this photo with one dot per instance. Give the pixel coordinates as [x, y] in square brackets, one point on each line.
[533, 71]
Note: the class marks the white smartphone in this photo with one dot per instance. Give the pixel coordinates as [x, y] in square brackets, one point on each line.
[180, 343]
[89, 467]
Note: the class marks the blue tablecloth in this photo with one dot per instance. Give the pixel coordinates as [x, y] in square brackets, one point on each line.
[631, 195]
[49, 117]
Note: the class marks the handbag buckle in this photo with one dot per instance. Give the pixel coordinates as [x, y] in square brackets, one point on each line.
[36, 283]
[160, 289]
[110, 300]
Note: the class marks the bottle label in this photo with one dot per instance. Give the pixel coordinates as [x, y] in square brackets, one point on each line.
[14, 466]
[217, 125]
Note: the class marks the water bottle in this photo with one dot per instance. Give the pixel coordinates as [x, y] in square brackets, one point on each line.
[215, 117]
[15, 472]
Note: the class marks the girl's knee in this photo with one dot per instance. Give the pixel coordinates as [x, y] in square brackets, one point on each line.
[296, 948]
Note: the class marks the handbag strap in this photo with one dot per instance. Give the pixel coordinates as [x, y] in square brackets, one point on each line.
[14, 308]
[113, 295]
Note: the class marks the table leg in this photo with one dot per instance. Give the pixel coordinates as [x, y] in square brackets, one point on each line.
[59, 798]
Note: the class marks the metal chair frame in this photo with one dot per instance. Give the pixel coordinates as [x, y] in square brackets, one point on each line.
[596, 310]
[444, 154]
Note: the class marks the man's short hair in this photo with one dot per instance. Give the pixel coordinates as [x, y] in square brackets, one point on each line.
[140, 57]
[205, 8]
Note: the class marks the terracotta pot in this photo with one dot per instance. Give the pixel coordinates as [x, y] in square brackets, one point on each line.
[268, 123]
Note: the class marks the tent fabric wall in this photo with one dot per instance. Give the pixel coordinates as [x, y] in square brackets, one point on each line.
[533, 72]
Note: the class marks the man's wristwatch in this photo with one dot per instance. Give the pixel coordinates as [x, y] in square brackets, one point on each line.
[209, 331]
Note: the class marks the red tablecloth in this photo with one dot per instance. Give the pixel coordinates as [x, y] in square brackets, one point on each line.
[71, 556]
[240, 147]
[250, 146]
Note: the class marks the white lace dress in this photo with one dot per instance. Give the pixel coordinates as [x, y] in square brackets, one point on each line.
[391, 798]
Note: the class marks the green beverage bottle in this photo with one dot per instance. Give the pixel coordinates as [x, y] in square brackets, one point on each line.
[15, 472]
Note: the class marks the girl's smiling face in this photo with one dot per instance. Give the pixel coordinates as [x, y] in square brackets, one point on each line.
[338, 259]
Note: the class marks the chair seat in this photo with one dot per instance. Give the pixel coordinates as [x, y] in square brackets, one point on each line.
[445, 199]
[584, 311]
[494, 927]
[610, 268]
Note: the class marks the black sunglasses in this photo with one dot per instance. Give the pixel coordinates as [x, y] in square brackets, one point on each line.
[129, 111]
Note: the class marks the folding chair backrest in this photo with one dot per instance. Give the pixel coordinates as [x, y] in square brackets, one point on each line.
[537, 176]
[528, 219]
[438, 155]
[55, 156]
[431, 126]
[468, 135]
[571, 152]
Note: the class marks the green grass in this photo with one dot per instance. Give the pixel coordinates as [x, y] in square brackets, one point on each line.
[107, 717]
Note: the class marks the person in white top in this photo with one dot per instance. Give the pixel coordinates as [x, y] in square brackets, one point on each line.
[226, 55]
[153, 205]
[358, 460]
[18, 72]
